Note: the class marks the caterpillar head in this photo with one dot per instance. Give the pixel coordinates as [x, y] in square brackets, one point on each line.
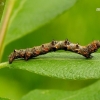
[97, 43]
[11, 58]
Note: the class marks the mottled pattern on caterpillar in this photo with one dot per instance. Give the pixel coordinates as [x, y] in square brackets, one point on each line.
[54, 46]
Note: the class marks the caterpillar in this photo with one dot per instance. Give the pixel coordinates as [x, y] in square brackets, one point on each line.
[54, 46]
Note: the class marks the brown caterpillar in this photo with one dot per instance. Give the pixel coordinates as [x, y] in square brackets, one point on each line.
[54, 46]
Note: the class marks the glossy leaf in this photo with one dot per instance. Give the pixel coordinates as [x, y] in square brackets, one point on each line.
[89, 93]
[61, 65]
[28, 15]
[4, 98]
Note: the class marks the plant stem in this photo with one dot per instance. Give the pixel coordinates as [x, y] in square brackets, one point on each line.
[4, 25]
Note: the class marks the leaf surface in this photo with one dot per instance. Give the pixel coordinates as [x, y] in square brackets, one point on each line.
[62, 65]
[89, 93]
[28, 15]
[4, 98]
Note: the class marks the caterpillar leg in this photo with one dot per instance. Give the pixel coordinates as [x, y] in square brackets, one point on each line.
[88, 56]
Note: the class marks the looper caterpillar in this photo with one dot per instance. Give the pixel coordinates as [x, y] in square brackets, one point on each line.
[54, 46]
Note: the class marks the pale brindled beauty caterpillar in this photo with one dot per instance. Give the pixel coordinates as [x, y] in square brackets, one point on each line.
[54, 46]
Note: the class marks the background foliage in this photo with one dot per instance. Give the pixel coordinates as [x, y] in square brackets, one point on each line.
[79, 24]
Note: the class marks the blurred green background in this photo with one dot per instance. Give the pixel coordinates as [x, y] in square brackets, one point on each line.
[81, 24]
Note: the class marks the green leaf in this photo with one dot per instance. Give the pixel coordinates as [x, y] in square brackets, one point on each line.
[4, 98]
[2, 3]
[89, 93]
[28, 15]
[3, 65]
[61, 65]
